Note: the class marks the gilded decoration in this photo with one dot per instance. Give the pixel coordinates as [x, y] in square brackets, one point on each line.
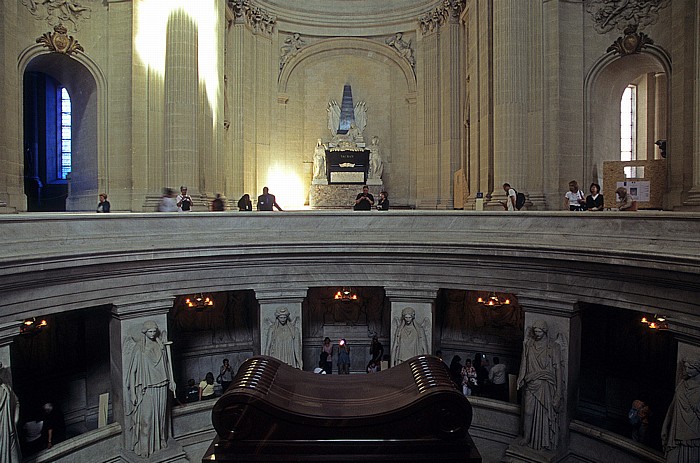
[59, 41]
[58, 12]
[257, 18]
[632, 42]
[431, 21]
[610, 14]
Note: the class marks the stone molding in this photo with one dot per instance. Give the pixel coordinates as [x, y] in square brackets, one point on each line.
[356, 46]
[123, 310]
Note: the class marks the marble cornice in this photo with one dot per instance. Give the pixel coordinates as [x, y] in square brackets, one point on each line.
[646, 260]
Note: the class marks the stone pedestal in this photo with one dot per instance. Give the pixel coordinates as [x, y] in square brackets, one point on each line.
[339, 196]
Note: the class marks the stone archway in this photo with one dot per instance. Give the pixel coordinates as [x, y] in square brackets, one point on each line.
[86, 85]
[603, 88]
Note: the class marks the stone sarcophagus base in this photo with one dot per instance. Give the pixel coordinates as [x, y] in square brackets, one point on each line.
[412, 412]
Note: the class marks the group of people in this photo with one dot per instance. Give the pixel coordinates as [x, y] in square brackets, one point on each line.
[365, 200]
[576, 200]
[207, 389]
[478, 378]
[325, 363]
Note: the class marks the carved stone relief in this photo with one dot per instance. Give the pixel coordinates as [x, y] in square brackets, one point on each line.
[58, 11]
[431, 21]
[257, 18]
[631, 42]
[610, 14]
[290, 49]
[402, 47]
[59, 41]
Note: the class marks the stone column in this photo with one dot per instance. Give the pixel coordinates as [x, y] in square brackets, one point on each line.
[126, 326]
[510, 96]
[563, 335]
[693, 198]
[272, 303]
[181, 103]
[422, 301]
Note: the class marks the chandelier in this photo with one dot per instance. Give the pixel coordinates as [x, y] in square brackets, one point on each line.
[345, 294]
[493, 300]
[199, 302]
[657, 322]
[32, 326]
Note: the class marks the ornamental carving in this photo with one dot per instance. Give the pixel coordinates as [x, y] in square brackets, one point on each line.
[631, 42]
[257, 18]
[610, 14]
[290, 49]
[58, 12]
[59, 41]
[431, 21]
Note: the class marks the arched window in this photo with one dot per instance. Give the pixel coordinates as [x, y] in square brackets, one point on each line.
[628, 124]
[65, 139]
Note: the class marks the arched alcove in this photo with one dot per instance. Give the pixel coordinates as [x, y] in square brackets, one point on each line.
[86, 86]
[603, 89]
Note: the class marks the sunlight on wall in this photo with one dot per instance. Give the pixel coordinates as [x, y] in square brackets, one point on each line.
[287, 187]
[150, 36]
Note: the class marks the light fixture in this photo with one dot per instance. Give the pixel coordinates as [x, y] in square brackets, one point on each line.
[657, 322]
[199, 302]
[346, 294]
[32, 326]
[493, 300]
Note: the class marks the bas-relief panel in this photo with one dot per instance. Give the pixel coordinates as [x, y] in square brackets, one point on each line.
[370, 309]
[202, 339]
[462, 320]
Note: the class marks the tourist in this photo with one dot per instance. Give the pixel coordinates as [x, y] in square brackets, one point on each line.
[183, 200]
[574, 199]
[267, 201]
[103, 205]
[594, 201]
[364, 201]
[245, 204]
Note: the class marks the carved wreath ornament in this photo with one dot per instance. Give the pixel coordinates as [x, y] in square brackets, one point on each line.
[59, 41]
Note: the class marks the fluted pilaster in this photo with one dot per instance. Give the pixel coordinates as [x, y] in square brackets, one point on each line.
[693, 198]
[235, 91]
[181, 102]
[510, 91]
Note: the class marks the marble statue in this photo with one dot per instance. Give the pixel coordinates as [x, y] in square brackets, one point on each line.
[148, 379]
[320, 160]
[541, 379]
[9, 417]
[333, 117]
[376, 165]
[402, 47]
[680, 433]
[291, 47]
[360, 113]
[410, 339]
[284, 339]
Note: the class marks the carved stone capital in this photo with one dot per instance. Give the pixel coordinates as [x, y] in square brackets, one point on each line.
[448, 10]
[255, 17]
[59, 41]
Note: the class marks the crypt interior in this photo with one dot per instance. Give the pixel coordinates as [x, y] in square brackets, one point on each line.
[438, 103]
